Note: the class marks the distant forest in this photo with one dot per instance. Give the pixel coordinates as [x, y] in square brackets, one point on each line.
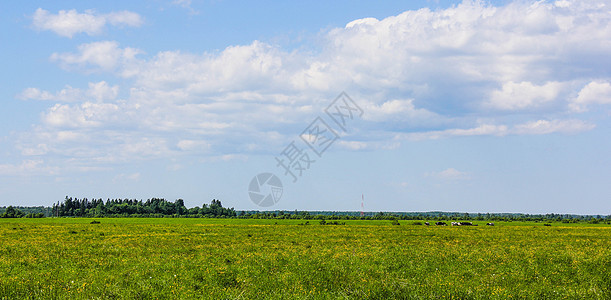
[24, 212]
[159, 207]
[435, 215]
[155, 207]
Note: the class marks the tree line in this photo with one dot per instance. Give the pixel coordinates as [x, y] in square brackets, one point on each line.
[159, 207]
[16, 212]
[434, 216]
[154, 207]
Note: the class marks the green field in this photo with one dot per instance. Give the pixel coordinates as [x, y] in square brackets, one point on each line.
[259, 259]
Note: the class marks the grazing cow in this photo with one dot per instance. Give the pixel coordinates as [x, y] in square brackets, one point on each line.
[441, 223]
[426, 223]
[455, 224]
[466, 223]
[490, 224]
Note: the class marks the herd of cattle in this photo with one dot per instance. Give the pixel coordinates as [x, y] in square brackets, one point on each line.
[457, 224]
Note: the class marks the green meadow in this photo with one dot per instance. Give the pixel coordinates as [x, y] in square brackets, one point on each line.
[167, 258]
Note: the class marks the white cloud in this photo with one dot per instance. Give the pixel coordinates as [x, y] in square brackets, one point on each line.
[448, 174]
[253, 67]
[124, 18]
[99, 91]
[547, 127]
[105, 55]
[416, 53]
[562, 3]
[87, 114]
[126, 177]
[27, 167]
[68, 23]
[595, 92]
[570, 126]
[514, 96]
[422, 74]
[67, 94]
[192, 145]
[352, 145]
[186, 4]
[481, 130]
[39, 149]
[102, 91]
[399, 111]
[365, 21]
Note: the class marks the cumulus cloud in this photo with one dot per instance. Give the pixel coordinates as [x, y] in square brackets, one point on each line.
[104, 55]
[67, 94]
[468, 70]
[68, 23]
[469, 48]
[399, 111]
[514, 95]
[595, 92]
[87, 114]
[97, 90]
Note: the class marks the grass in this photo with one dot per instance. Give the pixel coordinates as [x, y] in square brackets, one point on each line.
[258, 259]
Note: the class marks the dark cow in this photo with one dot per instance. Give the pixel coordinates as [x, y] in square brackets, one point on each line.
[441, 223]
[466, 224]
[490, 224]
[426, 223]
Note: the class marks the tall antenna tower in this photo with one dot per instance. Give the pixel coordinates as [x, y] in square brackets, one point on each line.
[362, 204]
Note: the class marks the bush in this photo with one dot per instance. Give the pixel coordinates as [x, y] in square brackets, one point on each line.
[32, 215]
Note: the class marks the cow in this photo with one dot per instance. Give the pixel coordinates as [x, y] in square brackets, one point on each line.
[441, 223]
[466, 223]
[426, 223]
[490, 224]
[455, 223]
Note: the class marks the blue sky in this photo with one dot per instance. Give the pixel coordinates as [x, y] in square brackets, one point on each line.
[496, 106]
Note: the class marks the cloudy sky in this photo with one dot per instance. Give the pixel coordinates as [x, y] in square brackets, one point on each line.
[495, 106]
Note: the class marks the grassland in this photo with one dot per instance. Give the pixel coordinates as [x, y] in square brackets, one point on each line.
[258, 259]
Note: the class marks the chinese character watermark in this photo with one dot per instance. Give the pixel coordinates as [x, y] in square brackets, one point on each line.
[319, 136]
[343, 109]
[266, 189]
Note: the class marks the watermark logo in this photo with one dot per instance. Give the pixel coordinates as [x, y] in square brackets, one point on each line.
[266, 189]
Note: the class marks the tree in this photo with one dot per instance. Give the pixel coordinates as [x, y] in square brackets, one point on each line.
[180, 207]
[12, 212]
